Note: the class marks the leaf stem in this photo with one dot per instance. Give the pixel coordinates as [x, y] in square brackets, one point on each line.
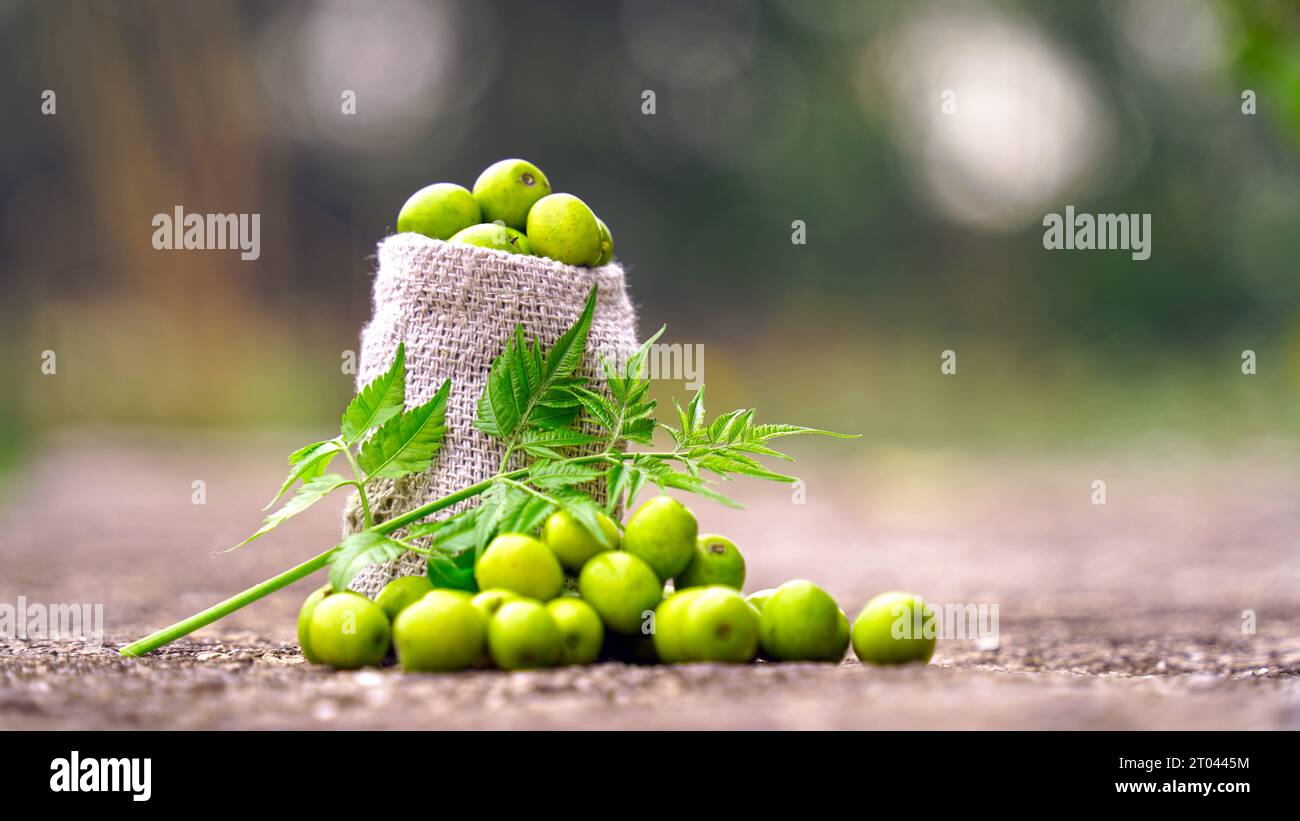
[225, 608]
[218, 611]
[360, 485]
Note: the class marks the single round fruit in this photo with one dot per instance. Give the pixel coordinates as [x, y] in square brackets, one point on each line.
[506, 191]
[621, 587]
[581, 631]
[304, 622]
[606, 243]
[401, 593]
[719, 625]
[574, 544]
[801, 622]
[522, 634]
[348, 631]
[562, 227]
[670, 625]
[662, 532]
[439, 211]
[494, 236]
[442, 631]
[519, 562]
[759, 598]
[489, 602]
[715, 560]
[892, 629]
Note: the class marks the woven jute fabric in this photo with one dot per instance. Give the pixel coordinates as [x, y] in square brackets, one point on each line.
[455, 306]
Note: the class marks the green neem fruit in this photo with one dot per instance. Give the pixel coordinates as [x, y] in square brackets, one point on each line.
[670, 626]
[562, 227]
[621, 587]
[892, 629]
[574, 544]
[494, 236]
[442, 631]
[759, 598]
[439, 211]
[801, 622]
[506, 191]
[581, 631]
[348, 631]
[606, 242]
[489, 602]
[523, 634]
[401, 593]
[519, 562]
[304, 622]
[715, 560]
[662, 532]
[719, 625]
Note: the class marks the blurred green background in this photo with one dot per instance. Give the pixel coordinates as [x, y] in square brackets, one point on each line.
[924, 228]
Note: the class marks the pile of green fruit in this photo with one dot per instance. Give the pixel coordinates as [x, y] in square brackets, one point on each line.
[510, 209]
[523, 617]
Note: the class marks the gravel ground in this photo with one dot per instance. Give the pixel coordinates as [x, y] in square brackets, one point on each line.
[1124, 615]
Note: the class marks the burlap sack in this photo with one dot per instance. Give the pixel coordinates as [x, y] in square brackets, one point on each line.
[454, 306]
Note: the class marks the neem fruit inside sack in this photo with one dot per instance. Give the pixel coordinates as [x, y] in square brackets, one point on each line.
[663, 533]
[892, 629]
[495, 236]
[715, 560]
[507, 190]
[562, 227]
[442, 631]
[518, 562]
[439, 211]
[348, 631]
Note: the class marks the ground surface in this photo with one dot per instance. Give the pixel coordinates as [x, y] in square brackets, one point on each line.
[1123, 615]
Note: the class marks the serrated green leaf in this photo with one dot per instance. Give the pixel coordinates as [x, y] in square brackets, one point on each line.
[764, 432]
[408, 442]
[724, 464]
[453, 572]
[563, 475]
[600, 409]
[526, 389]
[377, 402]
[307, 463]
[309, 494]
[359, 551]
[542, 443]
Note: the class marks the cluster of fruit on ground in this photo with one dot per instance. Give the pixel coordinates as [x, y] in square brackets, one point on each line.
[654, 590]
[510, 209]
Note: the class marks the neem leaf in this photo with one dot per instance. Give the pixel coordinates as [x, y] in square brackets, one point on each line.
[309, 494]
[408, 442]
[307, 463]
[358, 551]
[453, 572]
[525, 389]
[377, 402]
